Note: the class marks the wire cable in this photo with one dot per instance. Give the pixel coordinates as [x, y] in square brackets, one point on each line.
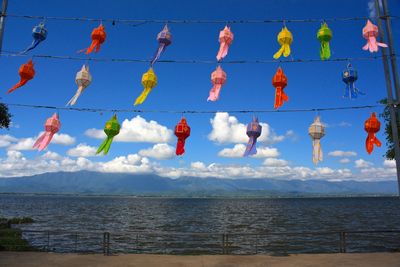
[189, 61]
[191, 111]
[189, 21]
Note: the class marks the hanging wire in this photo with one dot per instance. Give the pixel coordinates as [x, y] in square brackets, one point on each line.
[192, 111]
[188, 21]
[190, 61]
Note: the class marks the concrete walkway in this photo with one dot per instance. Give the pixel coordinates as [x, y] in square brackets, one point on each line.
[43, 259]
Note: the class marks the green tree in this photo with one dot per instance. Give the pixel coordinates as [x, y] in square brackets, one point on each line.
[5, 116]
[388, 128]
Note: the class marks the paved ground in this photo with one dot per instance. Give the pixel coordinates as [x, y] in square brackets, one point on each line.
[43, 259]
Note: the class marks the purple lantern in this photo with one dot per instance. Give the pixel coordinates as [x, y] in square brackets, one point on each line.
[164, 39]
[253, 132]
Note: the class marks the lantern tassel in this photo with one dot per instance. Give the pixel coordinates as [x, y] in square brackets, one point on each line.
[76, 96]
[43, 141]
[280, 97]
[285, 50]
[32, 46]
[214, 93]
[180, 147]
[22, 82]
[142, 96]
[317, 151]
[105, 146]
[93, 45]
[351, 91]
[223, 51]
[161, 48]
[371, 141]
[372, 45]
[251, 147]
[325, 51]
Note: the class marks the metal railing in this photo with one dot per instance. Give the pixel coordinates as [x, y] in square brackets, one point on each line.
[280, 243]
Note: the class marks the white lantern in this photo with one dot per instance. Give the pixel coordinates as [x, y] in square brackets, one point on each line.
[83, 79]
[316, 131]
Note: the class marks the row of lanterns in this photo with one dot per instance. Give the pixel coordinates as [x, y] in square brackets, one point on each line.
[218, 78]
[182, 132]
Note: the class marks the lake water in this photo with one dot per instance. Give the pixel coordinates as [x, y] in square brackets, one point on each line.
[168, 225]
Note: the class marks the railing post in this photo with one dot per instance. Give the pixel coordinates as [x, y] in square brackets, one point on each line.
[106, 243]
[48, 241]
[256, 244]
[76, 242]
[342, 242]
[223, 244]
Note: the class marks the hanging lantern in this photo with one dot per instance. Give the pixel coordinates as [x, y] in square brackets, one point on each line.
[111, 129]
[26, 73]
[218, 78]
[182, 131]
[324, 35]
[149, 81]
[285, 39]
[372, 126]
[316, 131]
[98, 37]
[225, 40]
[370, 32]
[52, 126]
[279, 81]
[253, 132]
[349, 77]
[39, 34]
[83, 79]
[164, 39]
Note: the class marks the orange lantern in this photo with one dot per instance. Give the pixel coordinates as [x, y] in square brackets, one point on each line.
[26, 72]
[98, 37]
[372, 126]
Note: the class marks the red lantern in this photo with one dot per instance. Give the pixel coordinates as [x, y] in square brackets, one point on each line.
[182, 131]
[98, 38]
[279, 81]
[372, 126]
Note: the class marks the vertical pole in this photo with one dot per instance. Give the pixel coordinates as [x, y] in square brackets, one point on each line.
[388, 24]
[390, 102]
[2, 21]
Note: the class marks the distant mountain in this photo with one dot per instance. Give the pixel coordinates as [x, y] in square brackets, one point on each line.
[85, 182]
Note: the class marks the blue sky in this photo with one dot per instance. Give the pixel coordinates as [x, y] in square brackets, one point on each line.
[286, 150]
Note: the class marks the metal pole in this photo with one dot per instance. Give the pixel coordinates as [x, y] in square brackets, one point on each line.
[389, 32]
[393, 113]
[2, 21]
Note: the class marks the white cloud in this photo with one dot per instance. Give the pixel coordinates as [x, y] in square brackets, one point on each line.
[238, 150]
[51, 156]
[341, 153]
[362, 164]
[227, 129]
[137, 130]
[82, 150]
[389, 163]
[198, 165]
[344, 160]
[27, 143]
[158, 151]
[272, 162]
[63, 139]
[6, 140]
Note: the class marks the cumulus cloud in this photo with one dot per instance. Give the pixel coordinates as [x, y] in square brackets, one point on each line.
[362, 164]
[82, 150]
[227, 129]
[389, 163]
[272, 162]
[344, 160]
[158, 151]
[137, 130]
[238, 150]
[6, 140]
[341, 153]
[27, 143]
[51, 156]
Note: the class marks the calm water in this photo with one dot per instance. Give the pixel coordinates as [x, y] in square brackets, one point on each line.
[146, 224]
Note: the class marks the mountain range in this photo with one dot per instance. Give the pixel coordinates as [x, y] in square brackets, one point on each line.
[95, 183]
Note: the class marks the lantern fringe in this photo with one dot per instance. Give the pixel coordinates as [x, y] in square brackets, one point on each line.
[105, 146]
[43, 141]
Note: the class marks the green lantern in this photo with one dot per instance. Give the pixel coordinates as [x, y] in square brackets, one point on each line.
[111, 129]
[324, 35]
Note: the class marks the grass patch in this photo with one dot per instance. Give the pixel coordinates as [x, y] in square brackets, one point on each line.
[10, 238]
